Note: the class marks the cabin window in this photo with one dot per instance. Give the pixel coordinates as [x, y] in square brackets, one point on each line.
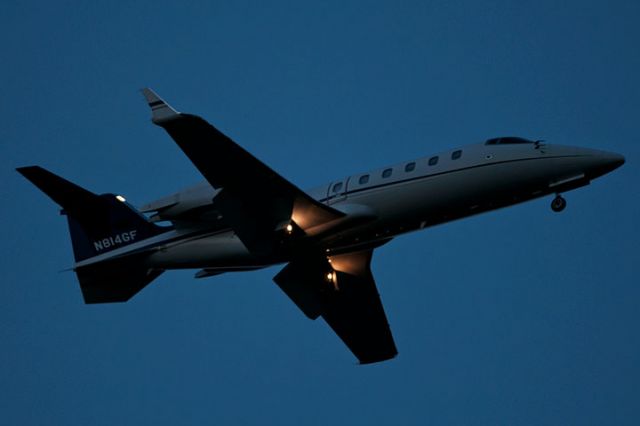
[433, 161]
[387, 173]
[456, 154]
[410, 167]
[337, 187]
[363, 179]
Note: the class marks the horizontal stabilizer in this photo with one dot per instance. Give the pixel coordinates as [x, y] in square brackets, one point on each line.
[66, 194]
[97, 223]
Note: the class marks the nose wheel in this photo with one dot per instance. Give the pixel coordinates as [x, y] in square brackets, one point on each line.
[558, 204]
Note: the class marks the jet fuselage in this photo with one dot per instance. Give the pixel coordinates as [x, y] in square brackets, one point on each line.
[390, 201]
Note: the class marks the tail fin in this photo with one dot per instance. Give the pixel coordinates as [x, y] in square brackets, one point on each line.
[99, 224]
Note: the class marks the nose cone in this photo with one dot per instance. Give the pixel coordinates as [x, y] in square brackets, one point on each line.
[605, 162]
[617, 160]
[611, 161]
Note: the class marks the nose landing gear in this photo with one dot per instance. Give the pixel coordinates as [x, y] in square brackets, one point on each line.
[558, 204]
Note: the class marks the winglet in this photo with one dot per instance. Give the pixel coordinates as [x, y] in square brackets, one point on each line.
[160, 110]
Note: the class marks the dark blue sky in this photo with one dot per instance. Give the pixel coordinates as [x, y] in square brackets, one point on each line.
[520, 316]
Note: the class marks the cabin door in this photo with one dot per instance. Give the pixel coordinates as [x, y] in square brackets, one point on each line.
[337, 191]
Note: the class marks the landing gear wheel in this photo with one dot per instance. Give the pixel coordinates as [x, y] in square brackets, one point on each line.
[558, 204]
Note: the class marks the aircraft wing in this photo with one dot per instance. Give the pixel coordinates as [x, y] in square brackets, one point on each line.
[256, 200]
[342, 290]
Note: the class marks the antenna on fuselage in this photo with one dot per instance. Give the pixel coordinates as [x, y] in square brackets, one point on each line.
[539, 144]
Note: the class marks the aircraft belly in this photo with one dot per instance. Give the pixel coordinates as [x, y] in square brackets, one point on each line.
[458, 194]
[210, 251]
[420, 203]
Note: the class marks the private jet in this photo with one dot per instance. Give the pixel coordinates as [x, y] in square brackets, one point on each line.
[246, 216]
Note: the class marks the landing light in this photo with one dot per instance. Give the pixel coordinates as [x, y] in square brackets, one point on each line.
[120, 198]
[330, 276]
[289, 228]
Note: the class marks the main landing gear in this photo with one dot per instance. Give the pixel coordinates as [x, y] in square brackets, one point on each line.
[558, 204]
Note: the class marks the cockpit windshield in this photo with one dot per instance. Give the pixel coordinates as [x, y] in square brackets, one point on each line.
[508, 140]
